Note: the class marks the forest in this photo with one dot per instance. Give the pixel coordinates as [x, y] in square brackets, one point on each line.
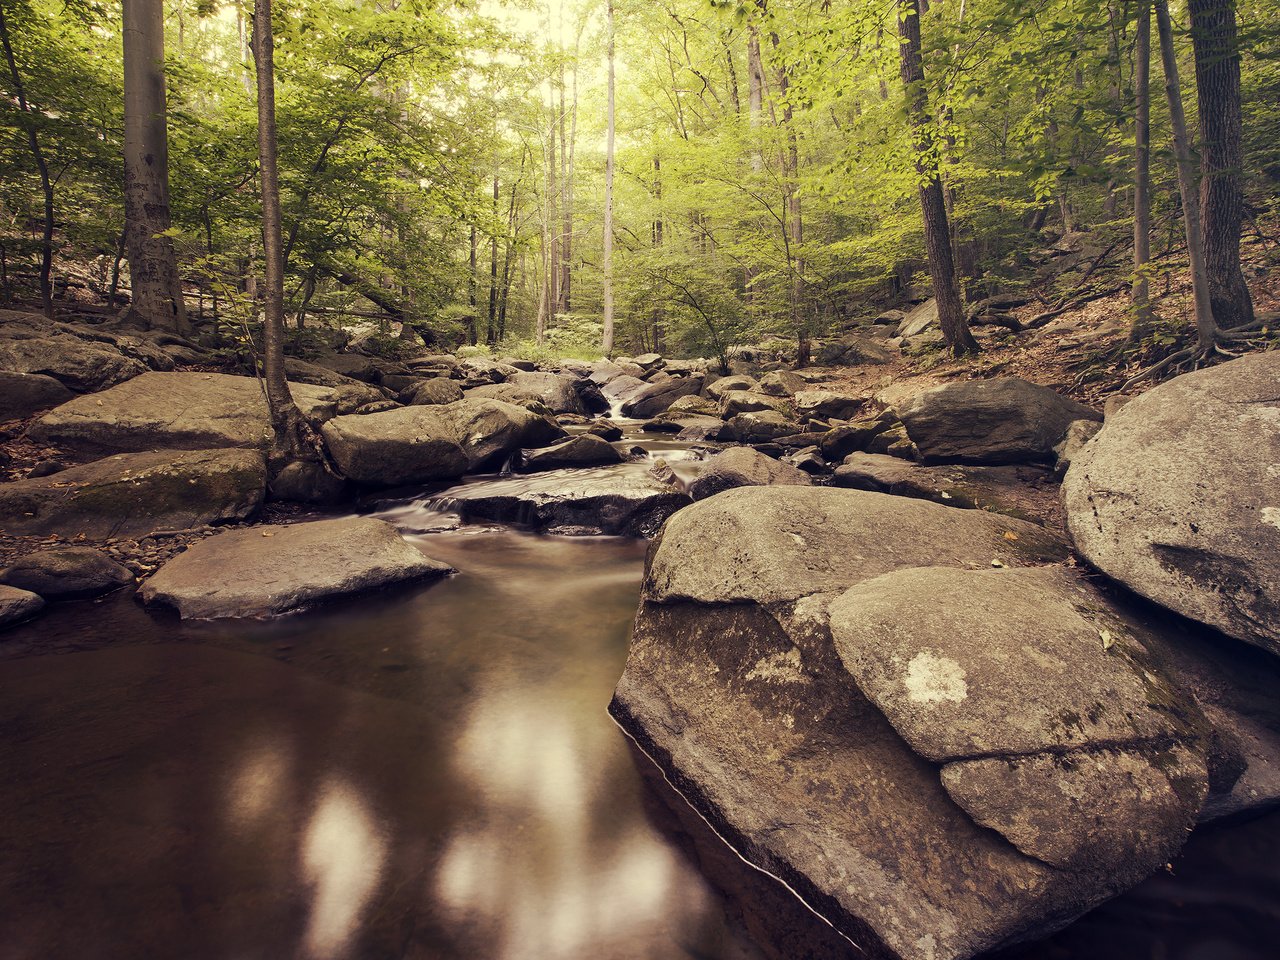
[765, 169]
[686, 480]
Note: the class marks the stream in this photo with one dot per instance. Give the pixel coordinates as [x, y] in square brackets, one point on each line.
[427, 772]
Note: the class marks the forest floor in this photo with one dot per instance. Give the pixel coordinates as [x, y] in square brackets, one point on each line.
[1077, 354]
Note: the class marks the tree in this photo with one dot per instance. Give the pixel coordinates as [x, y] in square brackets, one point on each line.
[153, 266]
[1142, 173]
[607, 253]
[30, 125]
[1217, 59]
[1206, 328]
[295, 445]
[937, 232]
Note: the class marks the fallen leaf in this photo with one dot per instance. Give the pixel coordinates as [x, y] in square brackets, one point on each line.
[1010, 535]
[1108, 641]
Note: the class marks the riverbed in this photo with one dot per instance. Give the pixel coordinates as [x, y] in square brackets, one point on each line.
[429, 773]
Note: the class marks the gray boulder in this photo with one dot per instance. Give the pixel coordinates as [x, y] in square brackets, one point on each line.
[584, 450]
[826, 405]
[78, 364]
[655, 398]
[734, 402]
[621, 389]
[18, 605]
[717, 389]
[557, 393]
[184, 411]
[743, 467]
[66, 573]
[264, 571]
[919, 319]
[761, 427]
[1006, 420]
[435, 390]
[397, 447]
[735, 685]
[854, 349]
[489, 429]
[22, 394]
[1178, 498]
[133, 494]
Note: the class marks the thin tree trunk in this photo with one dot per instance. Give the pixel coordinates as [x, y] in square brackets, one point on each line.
[473, 284]
[607, 253]
[153, 264]
[1206, 328]
[1142, 175]
[491, 328]
[1217, 55]
[292, 436]
[937, 235]
[42, 166]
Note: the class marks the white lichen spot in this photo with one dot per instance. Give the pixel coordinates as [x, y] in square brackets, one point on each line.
[934, 679]
[1271, 515]
[800, 541]
[778, 668]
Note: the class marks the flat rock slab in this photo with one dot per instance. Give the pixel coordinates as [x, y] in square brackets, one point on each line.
[1005, 420]
[67, 573]
[133, 494]
[18, 605]
[183, 411]
[621, 500]
[1178, 497]
[265, 571]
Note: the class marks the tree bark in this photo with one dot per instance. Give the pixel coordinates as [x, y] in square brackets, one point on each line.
[1142, 174]
[153, 264]
[42, 167]
[1217, 57]
[607, 253]
[491, 328]
[937, 234]
[1206, 327]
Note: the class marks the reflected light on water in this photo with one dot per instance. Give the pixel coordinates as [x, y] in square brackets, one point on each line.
[255, 790]
[342, 857]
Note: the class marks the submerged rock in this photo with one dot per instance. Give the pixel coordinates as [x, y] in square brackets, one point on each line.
[926, 788]
[1005, 420]
[264, 571]
[1178, 498]
[18, 605]
[133, 494]
[619, 500]
[67, 573]
[183, 411]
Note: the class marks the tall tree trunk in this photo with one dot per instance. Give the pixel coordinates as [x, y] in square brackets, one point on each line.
[1206, 328]
[553, 220]
[1142, 174]
[607, 254]
[153, 264]
[491, 328]
[473, 283]
[1217, 55]
[29, 125]
[937, 234]
[294, 439]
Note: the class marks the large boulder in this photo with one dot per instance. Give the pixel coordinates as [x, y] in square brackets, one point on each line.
[434, 390]
[22, 394]
[919, 319]
[133, 494]
[826, 405]
[185, 411]
[436, 442]
[734, 402]
[655, 398]
[397, 447]
[66, 573]
[264, 571]
[18, 605]
[352, 394]
[557, 393]
[623, 388]
[854, 349]
[78, 364]
[584, 450]
[717, 389]
[1178, 498]
[915, 814]
[619, 500]
[1006, 420]
[742, 467]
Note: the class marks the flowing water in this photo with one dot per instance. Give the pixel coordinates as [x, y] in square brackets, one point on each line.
[426, 773]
